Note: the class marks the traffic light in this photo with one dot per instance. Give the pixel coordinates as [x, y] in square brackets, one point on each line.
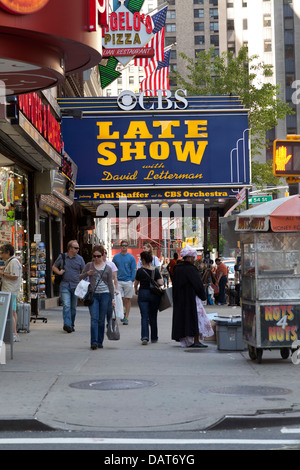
[286, 158]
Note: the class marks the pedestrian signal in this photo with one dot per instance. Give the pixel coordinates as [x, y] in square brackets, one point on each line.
[286, 158]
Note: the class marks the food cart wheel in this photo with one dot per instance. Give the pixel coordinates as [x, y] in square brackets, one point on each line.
[285, 352]
[259, 353]
[252, 353]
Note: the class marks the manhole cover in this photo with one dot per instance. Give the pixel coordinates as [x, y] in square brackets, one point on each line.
[112, 384]
[247, 390]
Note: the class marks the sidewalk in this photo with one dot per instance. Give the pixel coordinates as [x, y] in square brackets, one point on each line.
[55, 380]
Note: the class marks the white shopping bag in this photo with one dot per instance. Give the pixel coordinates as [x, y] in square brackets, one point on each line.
[119, 307]
[82, 288]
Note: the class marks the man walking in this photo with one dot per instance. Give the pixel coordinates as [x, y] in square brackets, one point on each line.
[126, 265]
[70, 267]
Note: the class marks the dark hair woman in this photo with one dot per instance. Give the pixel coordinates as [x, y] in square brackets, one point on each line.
[148, 302]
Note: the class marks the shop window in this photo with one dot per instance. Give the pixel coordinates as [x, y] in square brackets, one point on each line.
[14, 219]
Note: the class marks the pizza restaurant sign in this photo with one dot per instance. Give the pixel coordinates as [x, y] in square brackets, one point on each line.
[125, 31]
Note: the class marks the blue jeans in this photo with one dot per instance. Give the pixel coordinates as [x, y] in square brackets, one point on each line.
[222, 285]
[100, 308]
[148, 304]
[69, 302]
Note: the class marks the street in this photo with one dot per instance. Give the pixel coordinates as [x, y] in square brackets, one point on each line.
[176, 448]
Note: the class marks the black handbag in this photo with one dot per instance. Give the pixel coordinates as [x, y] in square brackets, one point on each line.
[88, 299]
[154, 287]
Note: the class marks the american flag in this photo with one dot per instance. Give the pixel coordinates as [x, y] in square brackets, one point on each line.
[159, 20]
[159, 79]
[241, 195]
[157, 42]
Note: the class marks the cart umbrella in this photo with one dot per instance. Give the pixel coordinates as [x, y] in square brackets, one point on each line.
[282, 215]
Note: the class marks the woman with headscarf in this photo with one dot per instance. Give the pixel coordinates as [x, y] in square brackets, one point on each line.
[190, 322]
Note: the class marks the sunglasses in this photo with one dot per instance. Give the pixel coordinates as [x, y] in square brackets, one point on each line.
[75, 247]
[97, 256]
[124, 245]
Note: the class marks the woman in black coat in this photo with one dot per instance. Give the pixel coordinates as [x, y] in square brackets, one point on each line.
[187, 284]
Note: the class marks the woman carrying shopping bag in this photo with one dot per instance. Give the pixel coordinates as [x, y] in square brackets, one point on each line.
[148, 301]
[101, 280]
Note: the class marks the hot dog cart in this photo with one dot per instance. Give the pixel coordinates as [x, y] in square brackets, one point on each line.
[270, 255]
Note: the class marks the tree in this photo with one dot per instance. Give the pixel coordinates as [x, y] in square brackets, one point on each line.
[241, 76]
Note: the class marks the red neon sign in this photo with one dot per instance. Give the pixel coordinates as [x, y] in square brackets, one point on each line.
[41, 118]
[98, 14]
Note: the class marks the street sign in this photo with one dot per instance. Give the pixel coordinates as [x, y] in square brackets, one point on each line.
[259, 199]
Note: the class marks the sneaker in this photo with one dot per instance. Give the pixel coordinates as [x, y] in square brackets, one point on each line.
[125, 321]
[16, 338]
[94, 346]
[144, 342]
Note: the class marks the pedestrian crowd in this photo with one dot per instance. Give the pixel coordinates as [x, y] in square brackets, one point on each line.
[123, 277]
[119, 278]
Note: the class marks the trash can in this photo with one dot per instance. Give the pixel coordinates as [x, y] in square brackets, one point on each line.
[229, 334]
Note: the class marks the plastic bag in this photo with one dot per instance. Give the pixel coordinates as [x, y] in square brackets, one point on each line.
[210, 290]
[119, 307]
[113, 332]
[82, 288]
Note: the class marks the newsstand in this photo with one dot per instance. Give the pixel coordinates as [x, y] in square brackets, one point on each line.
[270, 269]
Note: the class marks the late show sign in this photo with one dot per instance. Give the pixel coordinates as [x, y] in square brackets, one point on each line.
[159, 147]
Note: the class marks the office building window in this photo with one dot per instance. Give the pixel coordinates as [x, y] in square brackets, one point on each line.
[171, 14]
[198, 26]
[199, 13]
[245, 24]
[267, 46]
[214, 26]
[170, 27]
[267, 21]
[230, 25]
[169, 40]
[198, 2]
[214, 13]
[214, 40]
[199, 40]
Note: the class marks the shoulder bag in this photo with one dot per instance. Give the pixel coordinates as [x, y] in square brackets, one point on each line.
[88, 299]
[154, 287]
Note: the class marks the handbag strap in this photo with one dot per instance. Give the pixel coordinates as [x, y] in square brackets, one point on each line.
[101, 276]
[152, 277]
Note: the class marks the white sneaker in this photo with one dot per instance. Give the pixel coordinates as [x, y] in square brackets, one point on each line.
[16, 338]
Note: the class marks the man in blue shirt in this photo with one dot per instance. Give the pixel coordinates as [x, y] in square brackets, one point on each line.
[126, 265]
[70, 269]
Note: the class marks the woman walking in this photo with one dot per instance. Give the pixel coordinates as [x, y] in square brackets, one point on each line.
[101, 280]
[148, 302]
